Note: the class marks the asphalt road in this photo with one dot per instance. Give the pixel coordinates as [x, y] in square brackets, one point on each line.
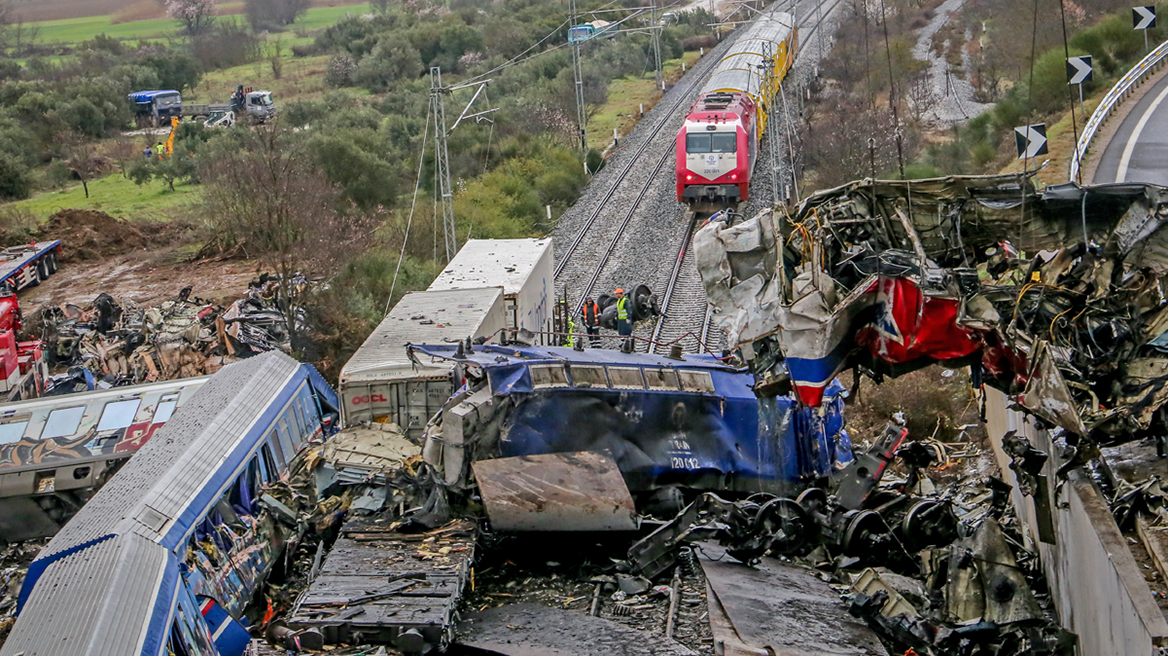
[1139, 150]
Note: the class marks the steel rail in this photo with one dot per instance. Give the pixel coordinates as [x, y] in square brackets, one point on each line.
[706, 63]
[687, 238]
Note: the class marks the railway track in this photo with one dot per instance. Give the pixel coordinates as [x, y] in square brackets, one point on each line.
[617, 237]
[687, 318]
[580, 266]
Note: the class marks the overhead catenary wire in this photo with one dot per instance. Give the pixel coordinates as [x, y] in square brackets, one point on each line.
[1071, 94]
[413, 205]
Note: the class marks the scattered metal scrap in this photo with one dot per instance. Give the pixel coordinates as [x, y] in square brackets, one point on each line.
[123, 344]
[933, 575]
[1055, 297]
[383, 586]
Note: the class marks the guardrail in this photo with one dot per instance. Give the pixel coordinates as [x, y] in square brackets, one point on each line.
[1112, 100]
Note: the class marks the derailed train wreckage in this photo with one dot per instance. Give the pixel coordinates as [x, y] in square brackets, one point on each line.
[1055, 297]
[662, 425]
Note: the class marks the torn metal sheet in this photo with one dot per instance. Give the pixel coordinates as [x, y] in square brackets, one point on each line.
[787, 610]
[579, 491]
[365, 453]
[1055, 296]
[870, 581]
[1008, 597]
[530, 630]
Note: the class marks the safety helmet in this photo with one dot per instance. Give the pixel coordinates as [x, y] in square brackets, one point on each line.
[619, 291]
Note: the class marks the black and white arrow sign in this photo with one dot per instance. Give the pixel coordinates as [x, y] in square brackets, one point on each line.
[1079, 69]
[1143, 18]
[1031, 140]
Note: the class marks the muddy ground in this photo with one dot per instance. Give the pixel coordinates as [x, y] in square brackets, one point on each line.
[146, 262]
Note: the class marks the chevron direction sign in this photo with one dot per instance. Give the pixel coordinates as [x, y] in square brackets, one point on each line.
[1079, 69]
[1031, 140]
[1144, 18]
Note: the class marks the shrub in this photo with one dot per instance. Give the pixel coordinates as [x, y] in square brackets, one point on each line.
[706, 41]
[15, 181]
[341, 68]
[389, 61]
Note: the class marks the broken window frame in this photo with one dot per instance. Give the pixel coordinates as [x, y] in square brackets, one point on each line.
[615, 373]
[696, 380]
[165, 408]
[5, 432]
[656, 379]
[588, 376]
[558, 377]
[188, 628]
[118, 420]
[268, 469]
[65, 414]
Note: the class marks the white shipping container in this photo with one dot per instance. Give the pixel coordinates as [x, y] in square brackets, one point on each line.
[522, 267]
[379, 383]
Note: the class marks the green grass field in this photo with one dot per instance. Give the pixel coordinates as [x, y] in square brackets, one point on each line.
[76, 30]
[117, 196]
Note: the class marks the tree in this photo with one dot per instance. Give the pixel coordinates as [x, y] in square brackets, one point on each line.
[170, 169]
[341, 67]
[15, 182]
[265, 198]
[390, 60]
[195, 15]
[177, 71]
[263, 14]
[80, 155]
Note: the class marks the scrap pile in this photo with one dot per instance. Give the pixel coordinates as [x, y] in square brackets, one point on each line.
[14, 562]
[937, 573]
[122, 343]
[1055, 297]
[926, 555]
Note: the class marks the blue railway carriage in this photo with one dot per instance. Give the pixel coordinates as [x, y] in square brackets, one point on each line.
[163, 558]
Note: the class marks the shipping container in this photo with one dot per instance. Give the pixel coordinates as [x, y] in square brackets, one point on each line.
[522, 267]
[380, 383]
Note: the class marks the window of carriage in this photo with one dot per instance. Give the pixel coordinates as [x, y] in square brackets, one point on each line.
[696, 381]
[548, 375]
[661, 379]
[588, 376]
[63, 422]
[165, 408]
[12, 431]
[626, 377]
[301, 418]
[118, 414]
[267, 464]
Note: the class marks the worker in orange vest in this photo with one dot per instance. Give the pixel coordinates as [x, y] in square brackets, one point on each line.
[592, 322]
